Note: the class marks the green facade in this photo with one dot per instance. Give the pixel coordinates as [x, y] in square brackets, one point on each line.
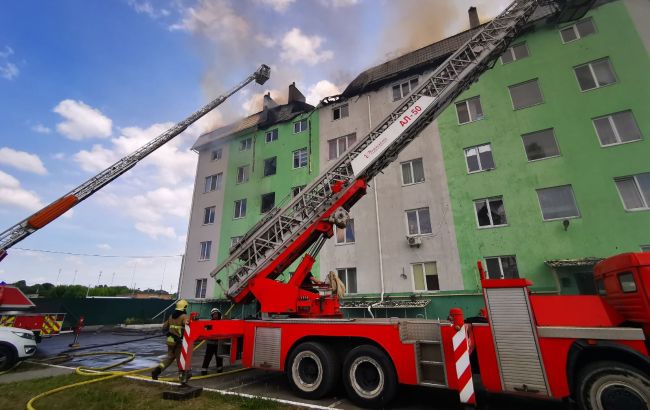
[604, 227]
[285, 178]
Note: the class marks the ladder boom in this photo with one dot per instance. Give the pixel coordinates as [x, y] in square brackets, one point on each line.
[23, 229]
[269, 238]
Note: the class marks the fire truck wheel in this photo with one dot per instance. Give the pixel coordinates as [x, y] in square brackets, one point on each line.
[7, 358]
[313, 370]
[612, 385]
[369, 376]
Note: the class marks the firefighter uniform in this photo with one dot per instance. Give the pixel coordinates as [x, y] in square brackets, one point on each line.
[212, 348]
[174, 327]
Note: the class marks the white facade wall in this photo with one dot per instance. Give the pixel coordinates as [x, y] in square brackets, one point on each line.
[193, 268]
[387, 195]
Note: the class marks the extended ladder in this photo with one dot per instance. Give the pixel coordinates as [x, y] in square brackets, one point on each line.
[276, 232]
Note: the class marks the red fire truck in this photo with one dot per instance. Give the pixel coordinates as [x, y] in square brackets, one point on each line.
[14, 312]
[589, 348]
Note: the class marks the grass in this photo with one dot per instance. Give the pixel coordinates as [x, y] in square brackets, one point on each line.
[122, 394]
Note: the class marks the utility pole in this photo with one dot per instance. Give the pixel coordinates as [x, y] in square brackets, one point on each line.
[99, 278]
[163, 277]
[74, 279]
[112, 278]
[57, 278]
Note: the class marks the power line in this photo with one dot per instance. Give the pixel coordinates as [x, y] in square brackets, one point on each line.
[99, 256]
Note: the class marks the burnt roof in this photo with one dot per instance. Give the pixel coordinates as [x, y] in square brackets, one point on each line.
[415, 62]
[258, 121]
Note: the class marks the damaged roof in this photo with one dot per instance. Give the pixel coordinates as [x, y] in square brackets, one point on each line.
[571, 263]
[258, 121]
[426, 58]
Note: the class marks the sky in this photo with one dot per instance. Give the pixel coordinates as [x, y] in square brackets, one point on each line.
[84, 83]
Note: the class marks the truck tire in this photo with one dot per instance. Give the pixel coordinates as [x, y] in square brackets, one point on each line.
[313, 370]
[7, 358]
[369, 377]
[609, 385]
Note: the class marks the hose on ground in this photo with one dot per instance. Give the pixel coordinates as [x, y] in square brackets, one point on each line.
[104, 373]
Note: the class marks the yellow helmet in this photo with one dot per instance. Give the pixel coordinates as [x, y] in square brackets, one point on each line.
[181, 304]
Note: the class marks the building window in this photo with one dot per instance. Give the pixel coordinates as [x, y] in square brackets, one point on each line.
[490, 212]
[296, 190]
[216, 154]
[245, 144]
[502, 267]
[635, 191]
[213, 183]
[341, 111]
[271, 135]
[268, 202]
[479, 158]
[425, 276]
[243, 174]
[469, 110]
[240, 208]
[514, 53]
[418, 221]
[201, 288]
[526, 94]
[300, 158]
[412, 172]
[403, 89]
[270, 165]
[345, 235]
[645, 248]
[540, 145]
[338, 146]
[349, 278]
[595, 74]
[206, 247]
[208, 215]
[617, 128]
[578, 30]
[235, 240]
[558, 203]
[300, 126]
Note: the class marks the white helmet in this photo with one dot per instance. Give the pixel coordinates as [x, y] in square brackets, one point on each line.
[215, 310]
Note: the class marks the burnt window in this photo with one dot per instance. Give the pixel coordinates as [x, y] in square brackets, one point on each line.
[268, 202]
[270, 165]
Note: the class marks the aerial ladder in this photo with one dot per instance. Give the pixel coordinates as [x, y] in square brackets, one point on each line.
[587, 348]
[49, 213]
[306, 221]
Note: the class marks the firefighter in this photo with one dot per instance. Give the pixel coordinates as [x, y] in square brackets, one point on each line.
[212, 348]
[174, 327]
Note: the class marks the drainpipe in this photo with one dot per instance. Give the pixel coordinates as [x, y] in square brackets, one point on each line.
[381, 256]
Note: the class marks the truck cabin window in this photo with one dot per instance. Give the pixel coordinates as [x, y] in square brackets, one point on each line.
[626, 279]
[600, 285]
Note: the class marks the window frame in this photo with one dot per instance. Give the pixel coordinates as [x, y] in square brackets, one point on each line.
[400, 84]
[345, 234]
[293, 157]
[523, 143]
[304, 120]
[205, 253]
[200, 288]
[246, 144]
[536, 79]
[262, 202]
[466, 102]
[593, 74]
[247, 174]
[217, 185]
[512, 53]
[417, 216]
[219, 152]
[273, 132]
[478, 156]
[297, 187]
[499, 257]
[275, 171]
[411, 169]
[645, 248]
[245, 207]
[646, 203]
[575, 202]
[340, 110]
[487, 201]
[232, 238]
[426, 290]
[337, 140]
[610, 118]
[346, 281]
[209, 213]
[574, 26]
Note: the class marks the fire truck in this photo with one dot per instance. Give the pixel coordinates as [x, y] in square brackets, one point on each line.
[14, 312]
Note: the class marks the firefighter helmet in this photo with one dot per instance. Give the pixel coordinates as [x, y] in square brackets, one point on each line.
[181, 304]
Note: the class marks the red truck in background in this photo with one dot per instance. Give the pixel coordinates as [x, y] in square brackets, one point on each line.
[14, 312]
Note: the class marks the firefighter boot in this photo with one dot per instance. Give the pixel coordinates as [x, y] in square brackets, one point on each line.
[155, 373]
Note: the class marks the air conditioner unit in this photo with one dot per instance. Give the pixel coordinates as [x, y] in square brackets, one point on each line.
[414, 241]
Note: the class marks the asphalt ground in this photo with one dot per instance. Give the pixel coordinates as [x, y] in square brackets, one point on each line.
[259, 382]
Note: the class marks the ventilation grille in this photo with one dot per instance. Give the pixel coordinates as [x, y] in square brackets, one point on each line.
[267, 348]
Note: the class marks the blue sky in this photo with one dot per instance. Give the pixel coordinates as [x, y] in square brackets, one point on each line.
[83, 83]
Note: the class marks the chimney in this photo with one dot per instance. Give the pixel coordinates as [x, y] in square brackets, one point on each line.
[268, 102]
[473, 17]
[295, 94]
